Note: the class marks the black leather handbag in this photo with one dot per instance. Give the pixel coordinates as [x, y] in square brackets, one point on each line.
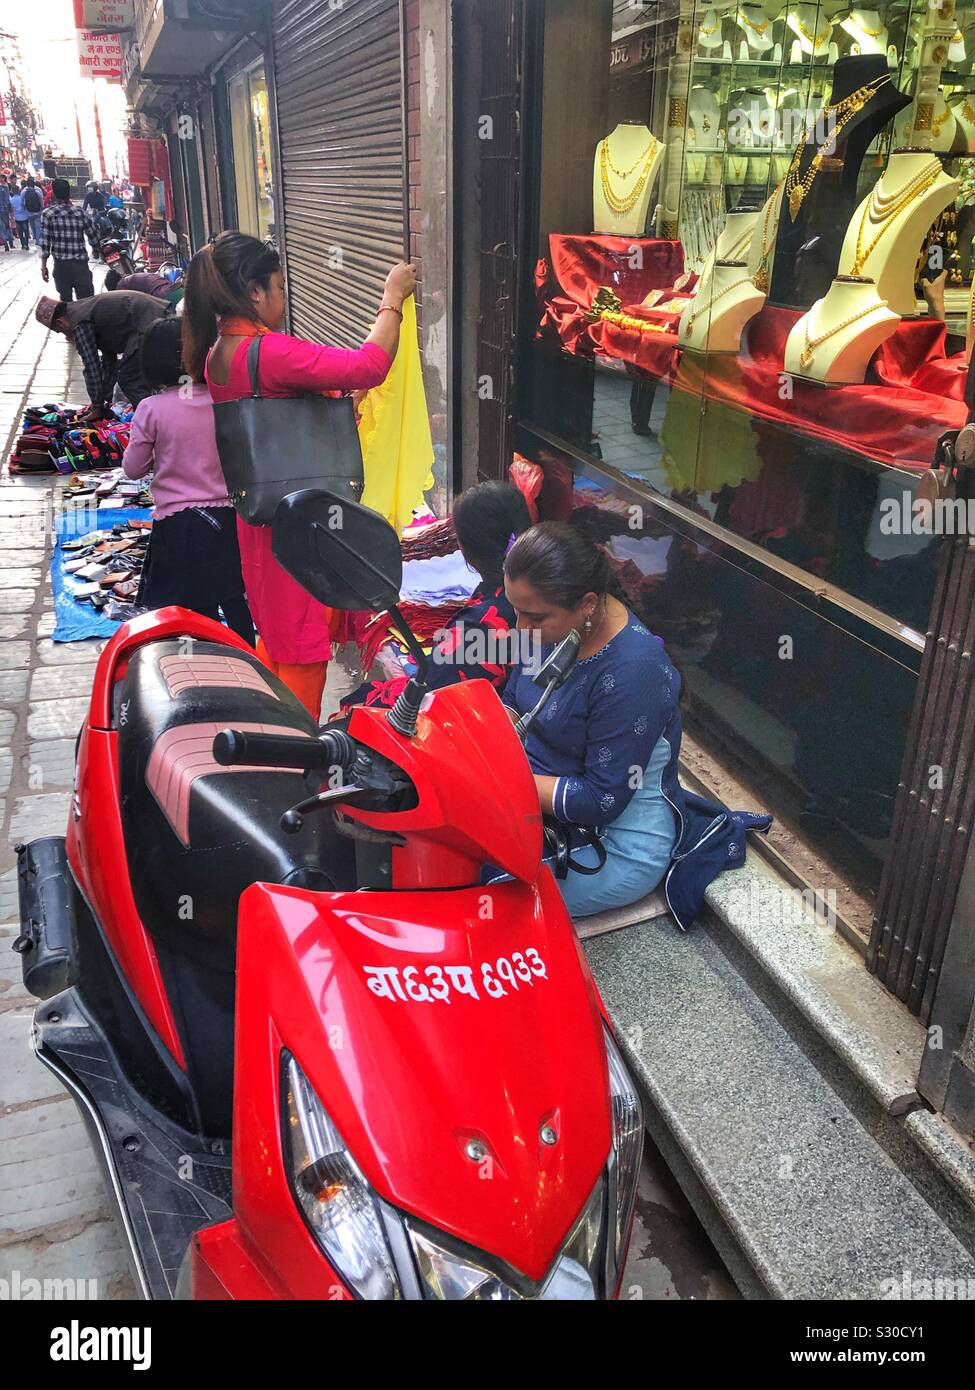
[269, 447]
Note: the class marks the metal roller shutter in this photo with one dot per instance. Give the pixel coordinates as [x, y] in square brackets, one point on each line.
[338, 74]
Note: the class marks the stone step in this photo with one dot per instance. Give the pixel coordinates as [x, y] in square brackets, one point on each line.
[808, 1187]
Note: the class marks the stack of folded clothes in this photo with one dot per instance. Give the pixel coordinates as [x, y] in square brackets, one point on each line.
[105, 567]
[54, 440]
[423, 542]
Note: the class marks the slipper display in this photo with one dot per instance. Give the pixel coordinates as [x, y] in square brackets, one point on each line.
[53, 439]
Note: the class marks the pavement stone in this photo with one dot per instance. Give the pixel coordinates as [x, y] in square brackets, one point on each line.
[55, 682]
[16, 600]
[8, 721]
[14, 656]
[13, 625]
[56, 718]
[46, 764]
[13, 687]
[35, 816]
[6, 768]
[61, 653]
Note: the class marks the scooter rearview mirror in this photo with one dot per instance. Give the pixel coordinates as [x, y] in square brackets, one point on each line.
[343, 554]
[559, 663]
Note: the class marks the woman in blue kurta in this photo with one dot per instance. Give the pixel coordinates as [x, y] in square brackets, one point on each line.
[604, 750]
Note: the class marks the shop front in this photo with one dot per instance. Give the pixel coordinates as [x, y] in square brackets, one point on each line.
[742, 255]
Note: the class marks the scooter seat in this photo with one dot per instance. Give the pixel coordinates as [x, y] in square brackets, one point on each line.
[197, 834]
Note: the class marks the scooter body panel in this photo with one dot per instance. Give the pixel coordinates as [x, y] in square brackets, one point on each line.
[424, 1024]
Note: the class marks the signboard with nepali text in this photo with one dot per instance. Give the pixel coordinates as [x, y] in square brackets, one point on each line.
[104, 16]
[100, 55]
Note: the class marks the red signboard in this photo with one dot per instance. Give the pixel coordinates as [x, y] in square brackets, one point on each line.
[100, 55]
[104, 16]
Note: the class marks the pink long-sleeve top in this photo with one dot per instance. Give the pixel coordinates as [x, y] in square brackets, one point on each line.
[173, 434]
[293, 626]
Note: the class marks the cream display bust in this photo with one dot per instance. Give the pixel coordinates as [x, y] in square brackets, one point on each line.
[867, 30]
[963, 109]
[704, 119]
[709, 33]
[835, 340]
[944, 126]
[733, 243]
[629, 159]
[714, 320]
[888, 248]
[756, 29]
[812, 32]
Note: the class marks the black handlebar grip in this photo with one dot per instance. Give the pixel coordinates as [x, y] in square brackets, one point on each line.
[233, 747]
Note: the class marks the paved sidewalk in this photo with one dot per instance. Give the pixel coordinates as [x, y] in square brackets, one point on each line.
[54, 1220]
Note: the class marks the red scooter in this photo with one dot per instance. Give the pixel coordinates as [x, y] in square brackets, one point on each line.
[320, 1055]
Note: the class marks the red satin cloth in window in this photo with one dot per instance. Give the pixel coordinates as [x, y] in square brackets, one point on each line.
[581, 265]
[887, 419]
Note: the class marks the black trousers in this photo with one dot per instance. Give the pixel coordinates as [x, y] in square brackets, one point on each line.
[130, 380]
[73, 276]
[194, 562]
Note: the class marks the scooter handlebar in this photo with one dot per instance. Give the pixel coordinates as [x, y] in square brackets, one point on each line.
[329, 750]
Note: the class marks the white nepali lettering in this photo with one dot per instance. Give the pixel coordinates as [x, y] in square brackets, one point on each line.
[408, 985]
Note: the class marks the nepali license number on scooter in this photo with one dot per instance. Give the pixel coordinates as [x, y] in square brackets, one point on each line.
[434, 983]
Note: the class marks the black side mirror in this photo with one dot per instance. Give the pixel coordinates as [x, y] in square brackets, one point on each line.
[559, 662]
[343, 554]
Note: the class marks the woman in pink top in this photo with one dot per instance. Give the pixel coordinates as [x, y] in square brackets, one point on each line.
[194, 558]
[234, 291]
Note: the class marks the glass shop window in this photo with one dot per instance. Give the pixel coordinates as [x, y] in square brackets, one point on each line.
[251, 138]
[754, 267]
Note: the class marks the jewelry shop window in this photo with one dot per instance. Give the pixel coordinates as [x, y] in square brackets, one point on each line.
[753, 267]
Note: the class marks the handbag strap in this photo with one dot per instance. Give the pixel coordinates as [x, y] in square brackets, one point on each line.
[254, 363]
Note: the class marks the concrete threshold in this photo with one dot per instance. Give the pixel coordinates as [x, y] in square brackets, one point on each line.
[778, 1078]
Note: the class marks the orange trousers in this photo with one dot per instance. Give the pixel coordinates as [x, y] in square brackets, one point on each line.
[307, 682]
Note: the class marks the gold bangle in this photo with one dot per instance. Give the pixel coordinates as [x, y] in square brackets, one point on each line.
[390, 309]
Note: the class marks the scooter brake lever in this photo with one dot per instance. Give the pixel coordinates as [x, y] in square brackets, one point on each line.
[292, 821]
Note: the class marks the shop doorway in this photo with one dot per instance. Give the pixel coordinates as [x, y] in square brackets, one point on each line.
[251, 139]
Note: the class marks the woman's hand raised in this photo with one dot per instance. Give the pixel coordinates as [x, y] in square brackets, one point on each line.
[400, 283]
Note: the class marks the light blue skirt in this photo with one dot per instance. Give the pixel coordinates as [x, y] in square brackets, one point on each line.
[639, 846]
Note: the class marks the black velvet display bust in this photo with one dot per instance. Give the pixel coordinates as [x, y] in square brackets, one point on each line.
[807, 250]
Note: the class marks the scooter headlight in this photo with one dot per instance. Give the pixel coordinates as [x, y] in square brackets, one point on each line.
[333, 1194]
[627, 1148]
[450, 1271]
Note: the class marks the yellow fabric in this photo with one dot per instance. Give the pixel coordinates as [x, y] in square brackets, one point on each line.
[394, 431]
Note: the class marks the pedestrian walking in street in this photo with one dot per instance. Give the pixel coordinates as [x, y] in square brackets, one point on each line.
[33, 206]
[194, 555]
[107, 332]
[21, 216]
[6, 232]
[63, 239]
[234, 293]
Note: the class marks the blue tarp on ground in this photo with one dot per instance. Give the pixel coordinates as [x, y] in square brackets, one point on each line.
[74, 620]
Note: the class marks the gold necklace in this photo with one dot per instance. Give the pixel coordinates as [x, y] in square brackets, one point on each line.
[625, 173]
[842, 113]
[885, 209]
[809, 351]
[760, 29]
[714, 299]
[862, 29]
[623, 203]
[713, 30]
[937, 124]
[628, 321]
[761, 278]
[966, 110]
[816, 40]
